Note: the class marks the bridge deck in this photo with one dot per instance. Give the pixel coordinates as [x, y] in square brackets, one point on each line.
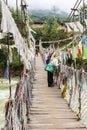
[49, 110]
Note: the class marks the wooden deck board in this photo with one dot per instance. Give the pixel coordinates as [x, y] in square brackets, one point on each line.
[49, 110]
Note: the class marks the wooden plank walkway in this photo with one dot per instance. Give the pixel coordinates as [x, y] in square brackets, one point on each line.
[49, 110]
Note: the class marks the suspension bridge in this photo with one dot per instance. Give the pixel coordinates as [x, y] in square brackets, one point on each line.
[49, 110]
[33, 105]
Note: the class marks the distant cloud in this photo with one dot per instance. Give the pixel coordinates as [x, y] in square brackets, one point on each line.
[65, 5]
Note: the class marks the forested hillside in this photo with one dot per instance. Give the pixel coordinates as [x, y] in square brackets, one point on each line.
[42, 15]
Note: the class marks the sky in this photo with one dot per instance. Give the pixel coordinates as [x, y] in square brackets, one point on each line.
[64, 5]
[48, 4]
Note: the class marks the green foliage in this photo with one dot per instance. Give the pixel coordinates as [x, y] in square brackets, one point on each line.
[79, 63]
[38, 34]
[16, 64]
[7, 40]
[18, 17]
[50, 31]
[42, 15]
[83, 14]
[15, 56]
[85, 65]
[3, 57]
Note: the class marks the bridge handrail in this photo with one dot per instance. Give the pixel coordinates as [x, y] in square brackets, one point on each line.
[17, 109]
[73, 82]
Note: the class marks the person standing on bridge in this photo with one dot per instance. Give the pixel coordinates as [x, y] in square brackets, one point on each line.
[48, 56]
[50, 69]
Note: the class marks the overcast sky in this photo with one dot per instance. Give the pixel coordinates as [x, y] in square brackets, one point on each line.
[48, 4]
[65, 5]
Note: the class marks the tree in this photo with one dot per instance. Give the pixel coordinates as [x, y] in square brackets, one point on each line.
[50, 30]
[38, 34]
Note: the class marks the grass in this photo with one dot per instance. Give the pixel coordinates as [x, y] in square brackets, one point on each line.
[4, 96]
[4, 83]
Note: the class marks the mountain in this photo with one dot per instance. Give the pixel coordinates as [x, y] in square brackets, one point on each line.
[42, 15]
